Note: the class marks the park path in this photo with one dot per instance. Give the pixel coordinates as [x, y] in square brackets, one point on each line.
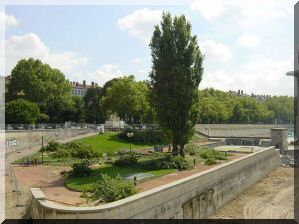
[16, 209]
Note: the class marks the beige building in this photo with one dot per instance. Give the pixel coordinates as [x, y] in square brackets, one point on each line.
[80, 89]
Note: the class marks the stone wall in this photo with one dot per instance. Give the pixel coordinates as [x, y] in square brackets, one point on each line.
[196, 196]
[18, 140]
[279, 138]
[239, 130]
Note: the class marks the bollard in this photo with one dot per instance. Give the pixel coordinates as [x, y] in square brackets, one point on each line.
[194, 162]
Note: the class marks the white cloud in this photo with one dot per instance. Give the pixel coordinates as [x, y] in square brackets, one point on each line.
[137, 61]
[262, 75]
[246, 11]
[214, 50]
[210, 8]
[104, 74]
[30, 45]
[140, 24]
[249, 40]
[8, 20]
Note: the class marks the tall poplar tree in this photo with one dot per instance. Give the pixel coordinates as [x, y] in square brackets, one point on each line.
[175, 76]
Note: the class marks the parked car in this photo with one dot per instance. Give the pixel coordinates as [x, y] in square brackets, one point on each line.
[40, 126]
[9, 127]
[20, 127]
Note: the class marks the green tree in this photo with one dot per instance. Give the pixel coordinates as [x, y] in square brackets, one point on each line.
[282, 107]
[175, 76]
[220, 107]
[22, 111]
[75, 111]
[93, 107]
[107, 85]
[129, 100]
[37, 82]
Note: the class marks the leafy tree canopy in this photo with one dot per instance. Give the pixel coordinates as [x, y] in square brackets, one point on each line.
[129, 99]
[37, 82]
[21, 111]
[176, 73]
[93, 106]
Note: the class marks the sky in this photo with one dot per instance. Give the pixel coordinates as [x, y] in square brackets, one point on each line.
[248, 45]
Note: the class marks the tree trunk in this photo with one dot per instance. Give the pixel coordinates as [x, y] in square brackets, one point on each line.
[175, 149]
[182, 150]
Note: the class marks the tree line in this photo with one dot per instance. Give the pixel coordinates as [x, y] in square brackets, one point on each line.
[222, 107]
[38, 93]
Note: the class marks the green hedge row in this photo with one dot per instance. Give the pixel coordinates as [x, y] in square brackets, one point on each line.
[145, 136]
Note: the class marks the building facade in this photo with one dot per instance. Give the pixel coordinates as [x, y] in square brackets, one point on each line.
[80, 89]
[258, 97]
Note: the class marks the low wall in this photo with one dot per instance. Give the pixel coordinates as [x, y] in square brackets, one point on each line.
[17, 140]
[196, 196]
[239, 130]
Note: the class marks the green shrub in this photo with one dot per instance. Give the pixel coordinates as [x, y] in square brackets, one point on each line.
[52, 146]
[220, 156]
[145, 136]
[110, 155]
[112, 189]
[168, 162]
[81, 169]
[62, 153]
[130, 159]
[210, 161]
[191, 149]
[212, 153]
[122, 152]
[76, 150]
[205, 153]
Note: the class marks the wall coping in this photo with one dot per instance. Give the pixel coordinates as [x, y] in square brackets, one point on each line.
[51, 205]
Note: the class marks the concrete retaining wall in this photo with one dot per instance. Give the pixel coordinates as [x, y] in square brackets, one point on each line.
[17, 140]
[196, 196]
[239, 130]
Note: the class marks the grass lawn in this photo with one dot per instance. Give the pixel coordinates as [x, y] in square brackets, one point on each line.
[48, 159]
[197, 138]
[85, 183]
[110, 142]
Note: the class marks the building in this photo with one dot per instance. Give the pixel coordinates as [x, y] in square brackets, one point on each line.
[79, 89]
[258, 97]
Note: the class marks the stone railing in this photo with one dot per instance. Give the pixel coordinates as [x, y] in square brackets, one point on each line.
[196, 196]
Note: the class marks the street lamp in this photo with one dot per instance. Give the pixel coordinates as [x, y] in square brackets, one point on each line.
[42, 149]
[130, 135]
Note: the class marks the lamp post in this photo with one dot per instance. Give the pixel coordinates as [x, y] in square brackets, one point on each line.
[42, 149]
[130, 135]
